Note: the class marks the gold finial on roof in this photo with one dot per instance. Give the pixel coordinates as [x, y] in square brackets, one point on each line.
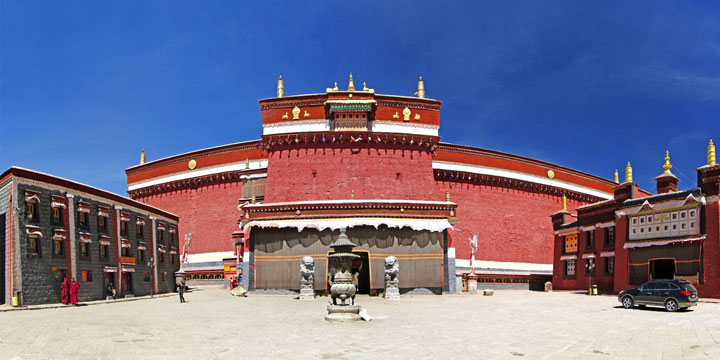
[667, 166]
[351, 85]
[420, 89]
[711, 154]
[247, 163]
[142, 157]
[447, 195]
[616, 178]
[564, 202]
[280, 87]
[628, 173]
[253, 199]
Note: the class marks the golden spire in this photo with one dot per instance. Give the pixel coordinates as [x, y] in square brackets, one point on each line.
[281, 87]
[351, 85]
[628, 173]
[142, 157]
[711, 154]
[667, 166]
[564, 202]
[616, 178]
[421, 89]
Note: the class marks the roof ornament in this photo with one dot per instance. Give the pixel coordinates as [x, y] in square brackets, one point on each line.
[420, 89]
[628, 173]
[616, 179]
[351, 84]
[667, 166]
[711, 154]
[332, 88]
[142, 157]
[280, 87]
[365, 88]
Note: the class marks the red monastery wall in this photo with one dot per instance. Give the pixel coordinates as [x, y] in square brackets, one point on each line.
[209, 211]
[372, 171]
[512, 224]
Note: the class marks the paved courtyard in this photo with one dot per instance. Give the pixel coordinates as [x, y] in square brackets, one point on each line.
[510, 324]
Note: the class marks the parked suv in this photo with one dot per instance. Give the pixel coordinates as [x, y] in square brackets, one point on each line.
[670, 294]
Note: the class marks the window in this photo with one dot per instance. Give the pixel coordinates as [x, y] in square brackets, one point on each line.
[590, 239]
[82, 219]
[104, 251]
[161, 256]
[163, 275]
[125, 251]
[609, 265]
[86, 275]
[31, 210]
[102, 223]
[123, 227]
[146, 276]
[570, 268]
[609, 236]
[161, 236]
[172, 258]
[57, 216]
[141, 255]
[590, 267]
[139, 231]
[83, 249]
[58, 247]
[33, 245]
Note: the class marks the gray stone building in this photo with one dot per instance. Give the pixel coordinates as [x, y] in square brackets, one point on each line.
[52, 228]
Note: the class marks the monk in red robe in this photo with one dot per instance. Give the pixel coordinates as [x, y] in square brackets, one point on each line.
[74, 290]
[65, 291]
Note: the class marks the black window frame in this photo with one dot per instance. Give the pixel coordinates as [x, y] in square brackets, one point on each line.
[590, 271]
[32, 217]
[606, 262]
[60, 254]
[82, 215]
[85, 245]
[590, 239]
[565, 269]
[103, 228]
[105, 248]
[60, 219]
[609, 237]
[35, 251]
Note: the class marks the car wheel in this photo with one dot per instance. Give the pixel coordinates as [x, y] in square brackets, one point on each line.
[671, 305]
[627, 302]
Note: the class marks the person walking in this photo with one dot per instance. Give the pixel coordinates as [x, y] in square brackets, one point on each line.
[74, 290]
[181, 290]
[65, 291]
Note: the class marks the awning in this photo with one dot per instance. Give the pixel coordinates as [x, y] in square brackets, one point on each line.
[104, 240]
[568, 257]
[140, 221]
[161, 226]
[172, 230]
[588, 256]
[433, 225]
[607, 254]
[565, 232]
[124, 216]
[128, 268]
[83, 207]
[125, 243]
[86, 237]
[103, 211]
[630, 245]
[173, 251]
[31, 196]
[110, 269]
[58, 235]
[33, 230]
[57, 201]
[162, 249]
[142, 246]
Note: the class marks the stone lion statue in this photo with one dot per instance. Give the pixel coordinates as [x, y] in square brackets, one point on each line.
[307, 269]
[392, 268]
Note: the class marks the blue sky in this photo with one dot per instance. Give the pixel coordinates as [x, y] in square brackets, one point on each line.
[589, 85]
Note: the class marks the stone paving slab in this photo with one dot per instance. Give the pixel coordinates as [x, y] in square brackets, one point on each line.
[6, 307]
[508, 325]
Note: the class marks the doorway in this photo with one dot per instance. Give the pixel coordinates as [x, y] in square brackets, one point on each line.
[361, 267]
[127, 285]
[2, 259]
[662, 269]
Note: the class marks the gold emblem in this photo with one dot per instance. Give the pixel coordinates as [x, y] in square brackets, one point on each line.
[417, 116]
[296, 113]
[396, 115]
[406, 114]
[551, 174]
[192, 164]
[306, 114]
[285, 117]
